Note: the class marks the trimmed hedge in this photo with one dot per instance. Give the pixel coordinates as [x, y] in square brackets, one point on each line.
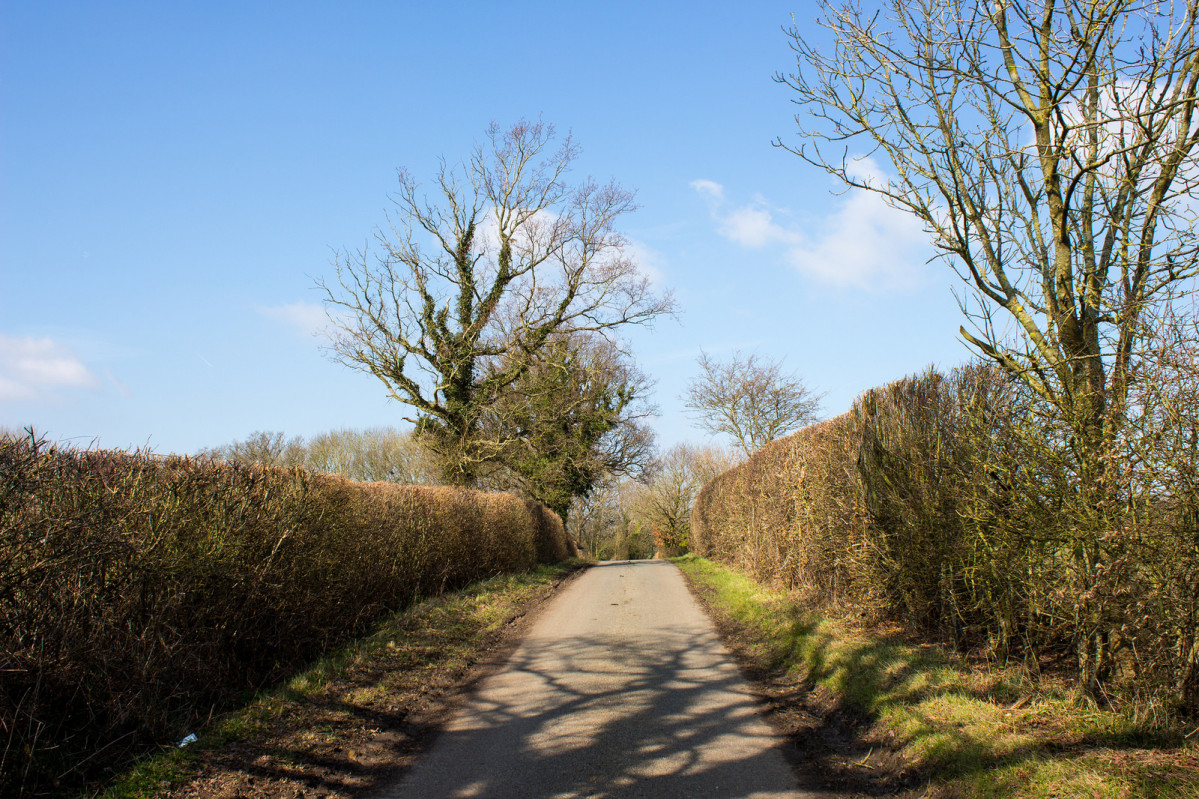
[951, 503]
[139, 594]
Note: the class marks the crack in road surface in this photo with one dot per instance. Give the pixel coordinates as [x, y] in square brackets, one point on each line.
[620, 689]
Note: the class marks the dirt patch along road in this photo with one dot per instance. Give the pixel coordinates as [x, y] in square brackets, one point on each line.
[620, 689]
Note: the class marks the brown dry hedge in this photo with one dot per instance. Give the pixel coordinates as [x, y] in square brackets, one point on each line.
[950, 502]
[139, 594]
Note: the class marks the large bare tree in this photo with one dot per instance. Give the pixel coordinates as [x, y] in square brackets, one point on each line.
[505, 255]
[750, 399]
[1049, 148]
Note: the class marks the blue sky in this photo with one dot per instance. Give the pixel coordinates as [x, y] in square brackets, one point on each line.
[174, 176]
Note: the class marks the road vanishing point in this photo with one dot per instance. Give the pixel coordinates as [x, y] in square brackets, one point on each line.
[620, 689]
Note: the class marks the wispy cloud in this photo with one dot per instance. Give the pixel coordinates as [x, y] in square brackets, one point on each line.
[649, 261]
[306, 319]
[862, 243]
[39, 369]
[118, 384]
[867, 244]
[709, 188]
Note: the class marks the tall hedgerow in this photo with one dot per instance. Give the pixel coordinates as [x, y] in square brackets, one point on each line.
[949, 501]
[138, 594]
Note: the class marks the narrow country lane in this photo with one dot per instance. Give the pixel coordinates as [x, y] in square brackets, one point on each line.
[621, 689]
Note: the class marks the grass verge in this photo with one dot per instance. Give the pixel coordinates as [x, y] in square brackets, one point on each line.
[360, 716]
[874, 714]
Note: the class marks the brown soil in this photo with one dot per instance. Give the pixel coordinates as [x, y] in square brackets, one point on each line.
[834, 750]
[371, 720]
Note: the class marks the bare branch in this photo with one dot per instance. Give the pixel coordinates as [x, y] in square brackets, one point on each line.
[749, 399]
[506, 256]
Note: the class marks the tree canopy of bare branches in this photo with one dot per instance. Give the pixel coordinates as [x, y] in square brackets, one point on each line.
[369, 455]
[272, 448]
[662, 501]
[749, 399]
[1048, 146]
[466, 288]
[372, 454]
[1049, 149]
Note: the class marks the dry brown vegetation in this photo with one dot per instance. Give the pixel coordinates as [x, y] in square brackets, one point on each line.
[950, 502]
[140, 594]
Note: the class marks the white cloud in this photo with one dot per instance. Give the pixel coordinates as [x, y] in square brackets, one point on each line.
[754, 226]
[38, 368]
[750, 225]
[861, 243]
[709, 188]
[306, 319]
[11, 390]
[866, 244]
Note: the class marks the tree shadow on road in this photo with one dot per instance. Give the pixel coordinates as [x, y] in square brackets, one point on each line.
[662, 713]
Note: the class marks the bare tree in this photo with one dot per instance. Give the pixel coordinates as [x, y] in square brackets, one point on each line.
[606, 524]
[370, 455]
[508, 254]
[750, 399]
[662, 502]
[268, 448]
[1049, 148]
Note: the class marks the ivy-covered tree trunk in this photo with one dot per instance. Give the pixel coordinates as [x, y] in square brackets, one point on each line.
[469, 288]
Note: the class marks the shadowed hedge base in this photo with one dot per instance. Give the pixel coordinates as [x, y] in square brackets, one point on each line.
[949, 502]
[140, 594]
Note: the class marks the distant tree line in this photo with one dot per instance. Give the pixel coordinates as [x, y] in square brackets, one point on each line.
[374, 454]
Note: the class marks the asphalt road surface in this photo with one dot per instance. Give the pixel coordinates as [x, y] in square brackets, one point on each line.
[620, 689]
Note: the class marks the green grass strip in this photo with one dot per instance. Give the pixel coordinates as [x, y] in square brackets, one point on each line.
[440, 635]
[974, 732]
